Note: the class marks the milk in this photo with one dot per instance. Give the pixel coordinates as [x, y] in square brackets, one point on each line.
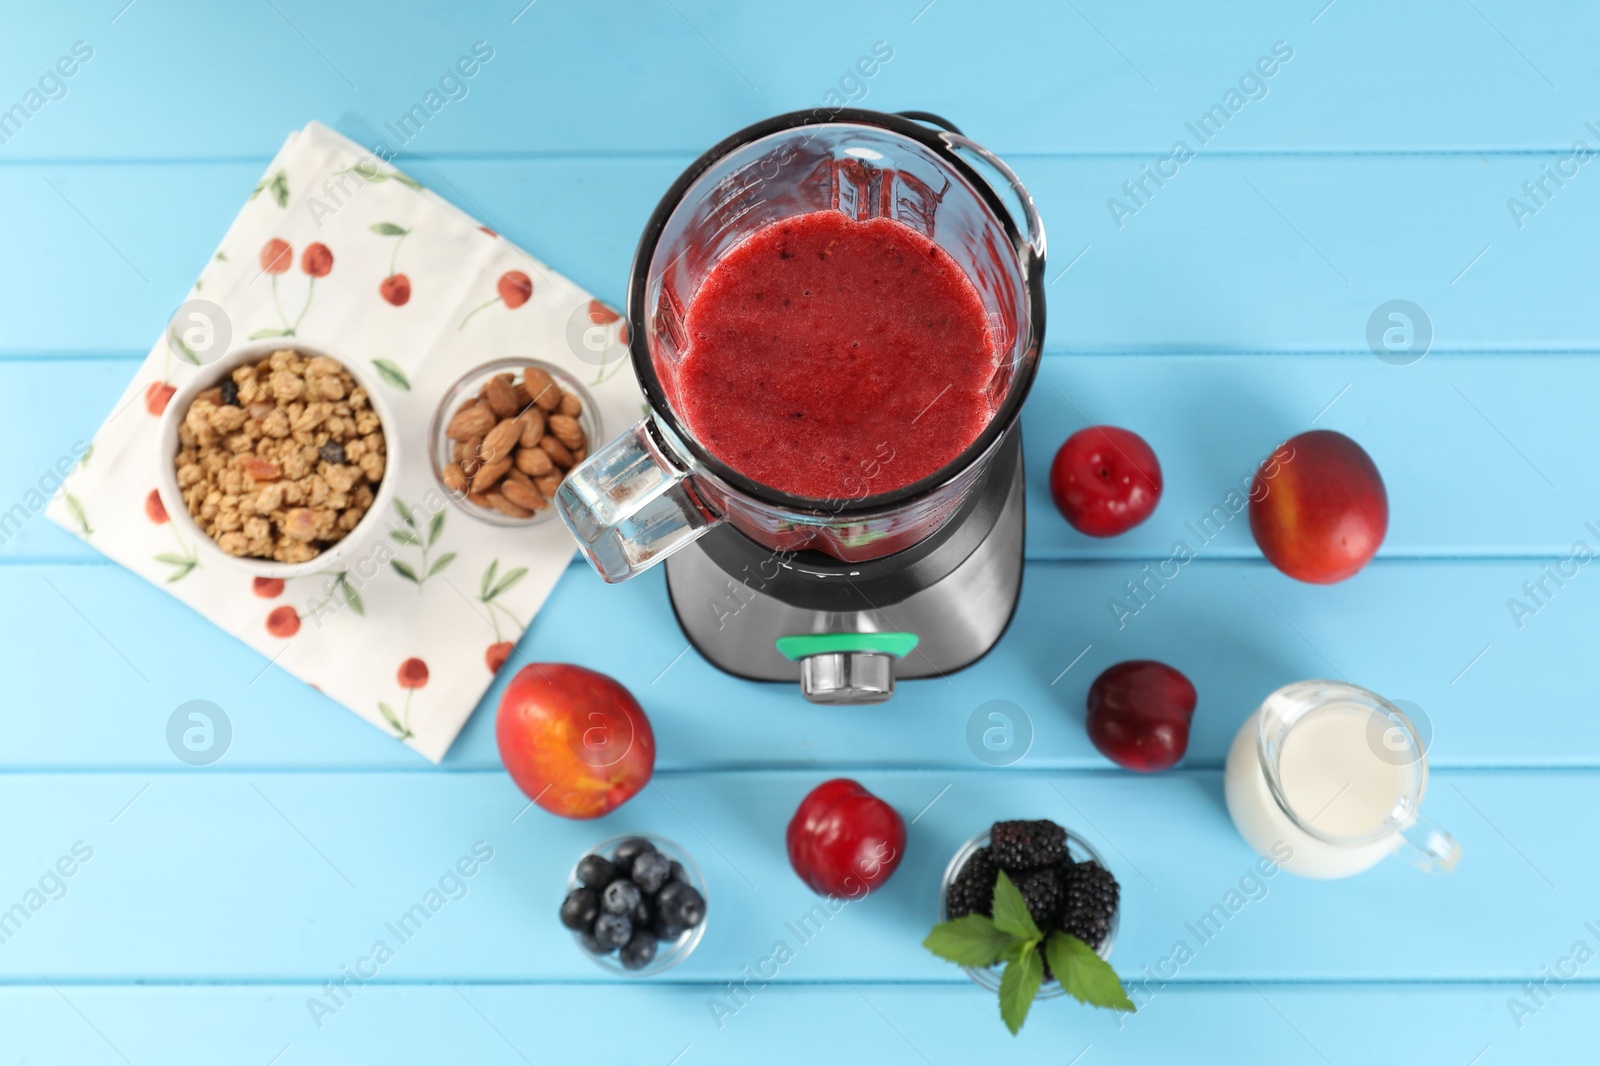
[1349, 772]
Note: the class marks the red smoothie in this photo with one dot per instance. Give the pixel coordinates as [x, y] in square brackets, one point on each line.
[836, 359]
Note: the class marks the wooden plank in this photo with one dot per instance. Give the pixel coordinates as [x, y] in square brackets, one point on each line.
[123, 656]
[496, 1024]
[1275, 253]
[287, 877]
[1448, 434]
[599, 77]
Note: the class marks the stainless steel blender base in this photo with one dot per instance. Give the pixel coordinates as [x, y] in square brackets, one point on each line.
[957, 618]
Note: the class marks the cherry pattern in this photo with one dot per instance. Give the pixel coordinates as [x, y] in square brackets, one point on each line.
[283, 622]
[412, 675]
[277, 256]
[514, 289]
[605, 316]
[396, 287]
[490, 587]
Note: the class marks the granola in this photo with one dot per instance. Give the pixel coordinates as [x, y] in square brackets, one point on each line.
[281, 460]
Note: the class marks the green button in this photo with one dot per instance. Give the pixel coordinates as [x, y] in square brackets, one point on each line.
[801, 645]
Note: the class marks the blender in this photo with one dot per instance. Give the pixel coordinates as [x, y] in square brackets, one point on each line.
[842, 595]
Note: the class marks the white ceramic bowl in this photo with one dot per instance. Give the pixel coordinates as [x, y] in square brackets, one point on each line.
[219, 371]
[1080, 851]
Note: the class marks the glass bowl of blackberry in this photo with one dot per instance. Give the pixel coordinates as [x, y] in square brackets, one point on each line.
[1064, 881]
[636, 904]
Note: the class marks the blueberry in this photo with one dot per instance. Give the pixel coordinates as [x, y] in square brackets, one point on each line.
[621, 897]
[681, 904]
[333, 452]
[642, 914]
[679, 873]
[639, 952]
[630, 849]
[613, 930]
[230, 393]
[580, 909]
[664, 930]
[593, 946]
[651, 870]
[596, 872]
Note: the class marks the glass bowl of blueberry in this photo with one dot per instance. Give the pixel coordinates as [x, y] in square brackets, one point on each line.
[636, 905]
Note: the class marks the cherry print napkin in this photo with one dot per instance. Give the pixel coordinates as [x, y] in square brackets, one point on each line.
[337, 248]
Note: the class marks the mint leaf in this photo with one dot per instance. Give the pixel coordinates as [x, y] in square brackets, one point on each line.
[1019, 983]
[1084, 974]
[441, 562]
[1011, 913]
[970, 941]
[405, 571]
[388, 229]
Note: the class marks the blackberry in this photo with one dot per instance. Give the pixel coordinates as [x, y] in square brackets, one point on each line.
[1043, 891]
[1020, 846]
[972, 891]
[1091, 900]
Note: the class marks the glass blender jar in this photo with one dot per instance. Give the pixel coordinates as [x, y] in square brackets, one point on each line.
[656, 489]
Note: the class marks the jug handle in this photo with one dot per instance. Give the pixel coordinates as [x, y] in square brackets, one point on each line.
[1430, 848]
[630, 505]
[959, 141]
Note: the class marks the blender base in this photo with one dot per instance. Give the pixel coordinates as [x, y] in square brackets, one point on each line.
[957, 618]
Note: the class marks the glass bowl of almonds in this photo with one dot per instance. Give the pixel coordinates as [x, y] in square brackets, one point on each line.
[506, 434]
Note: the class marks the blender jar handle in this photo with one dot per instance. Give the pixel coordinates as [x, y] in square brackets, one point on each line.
[1030, 213]
[1430, 848]
[630, 505]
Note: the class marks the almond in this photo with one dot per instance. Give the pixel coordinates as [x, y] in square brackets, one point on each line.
[455, 478]
[556, 450]
[478, 499]
[471, 421]
[489, 473]
[548, 485]
[542, 387]
[471, 455]
[579, 455]
[567, 431]
[497, 445]
[524, 496]
[532, 427]
[571, 406]
[523, 399]
[534, 461]
[501, 395]
[505, 506]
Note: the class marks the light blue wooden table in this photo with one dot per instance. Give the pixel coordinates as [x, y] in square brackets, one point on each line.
[1229, 310]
